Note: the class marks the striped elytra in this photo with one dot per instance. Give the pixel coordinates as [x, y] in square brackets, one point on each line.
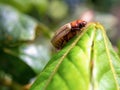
[66, 32]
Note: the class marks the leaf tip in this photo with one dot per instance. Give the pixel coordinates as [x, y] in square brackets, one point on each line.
[99, 26]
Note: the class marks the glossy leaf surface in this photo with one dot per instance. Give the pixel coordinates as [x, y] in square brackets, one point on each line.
[15, 27]
[24, 42]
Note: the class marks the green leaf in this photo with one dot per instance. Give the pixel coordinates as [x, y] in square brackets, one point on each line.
[19, 44]
[19, 70]
[35, 55]
[70, 68]
[86, 62]
[15, 27]
[118, 48]
[106, 63]
[21, 5]
[27, 6]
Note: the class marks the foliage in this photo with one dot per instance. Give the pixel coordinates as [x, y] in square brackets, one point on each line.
[20, 47]
[87, 61]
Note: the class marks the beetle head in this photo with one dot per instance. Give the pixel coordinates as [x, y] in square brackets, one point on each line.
[82, 24]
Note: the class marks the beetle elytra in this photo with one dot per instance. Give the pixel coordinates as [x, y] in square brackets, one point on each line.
[66, 32]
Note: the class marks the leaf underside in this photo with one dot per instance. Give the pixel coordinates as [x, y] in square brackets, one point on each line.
[86, 62]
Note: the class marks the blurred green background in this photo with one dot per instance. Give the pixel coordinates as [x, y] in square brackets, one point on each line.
[27, 26]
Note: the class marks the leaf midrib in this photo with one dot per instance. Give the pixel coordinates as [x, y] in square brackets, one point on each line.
[109, 58]
[62, 58]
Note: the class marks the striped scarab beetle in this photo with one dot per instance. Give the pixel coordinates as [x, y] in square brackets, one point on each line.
[66, 32]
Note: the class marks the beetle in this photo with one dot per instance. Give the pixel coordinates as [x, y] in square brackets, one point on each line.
[66, 32]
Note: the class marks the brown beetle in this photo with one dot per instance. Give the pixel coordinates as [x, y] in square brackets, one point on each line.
[66, 32]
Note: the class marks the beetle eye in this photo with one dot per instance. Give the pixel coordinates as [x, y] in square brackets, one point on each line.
[82, 24]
